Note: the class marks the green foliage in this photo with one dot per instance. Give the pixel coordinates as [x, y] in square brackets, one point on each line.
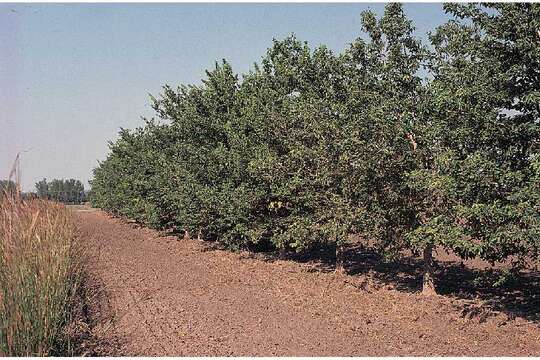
[405, 146]
[485, 67]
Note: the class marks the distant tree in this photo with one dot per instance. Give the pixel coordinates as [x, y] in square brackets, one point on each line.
[7, 187]
[69, 191]
[42, 189]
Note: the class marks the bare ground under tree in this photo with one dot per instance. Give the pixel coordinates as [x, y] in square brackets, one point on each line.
[168, 296]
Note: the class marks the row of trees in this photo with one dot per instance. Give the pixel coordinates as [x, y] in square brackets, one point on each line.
[68, 191]
[408, 145]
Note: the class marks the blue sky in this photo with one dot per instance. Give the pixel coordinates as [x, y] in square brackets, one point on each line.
[72, 74]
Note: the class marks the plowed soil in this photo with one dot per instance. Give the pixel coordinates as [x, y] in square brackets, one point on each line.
[170, 296]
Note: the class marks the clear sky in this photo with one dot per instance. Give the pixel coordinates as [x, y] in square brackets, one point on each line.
[72, 74]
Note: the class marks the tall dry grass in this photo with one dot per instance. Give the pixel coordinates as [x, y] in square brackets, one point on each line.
[40, 271]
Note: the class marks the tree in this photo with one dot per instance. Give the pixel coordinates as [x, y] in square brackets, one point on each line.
[42, 189]
[385, 106]
[7, 187]
[482, 133]
[210, 199]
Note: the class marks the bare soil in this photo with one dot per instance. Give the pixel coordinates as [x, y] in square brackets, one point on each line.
[169, 296]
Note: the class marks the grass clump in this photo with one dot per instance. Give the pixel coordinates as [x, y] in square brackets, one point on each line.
[40, 272]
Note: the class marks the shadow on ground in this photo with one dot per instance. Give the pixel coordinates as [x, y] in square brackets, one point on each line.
[517, 296]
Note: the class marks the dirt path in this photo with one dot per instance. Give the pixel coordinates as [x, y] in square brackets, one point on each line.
[172, 297]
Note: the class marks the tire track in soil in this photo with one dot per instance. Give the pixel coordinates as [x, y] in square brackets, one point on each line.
[173, 298]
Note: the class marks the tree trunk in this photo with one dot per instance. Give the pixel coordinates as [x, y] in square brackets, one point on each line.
[428, 285]
[340, 255]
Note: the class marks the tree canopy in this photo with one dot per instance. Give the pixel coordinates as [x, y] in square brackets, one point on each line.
[407, 145]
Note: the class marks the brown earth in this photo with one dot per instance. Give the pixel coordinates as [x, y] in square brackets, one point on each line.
[168, 296]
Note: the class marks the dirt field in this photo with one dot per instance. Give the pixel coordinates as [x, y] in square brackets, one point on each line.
[177, 297]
